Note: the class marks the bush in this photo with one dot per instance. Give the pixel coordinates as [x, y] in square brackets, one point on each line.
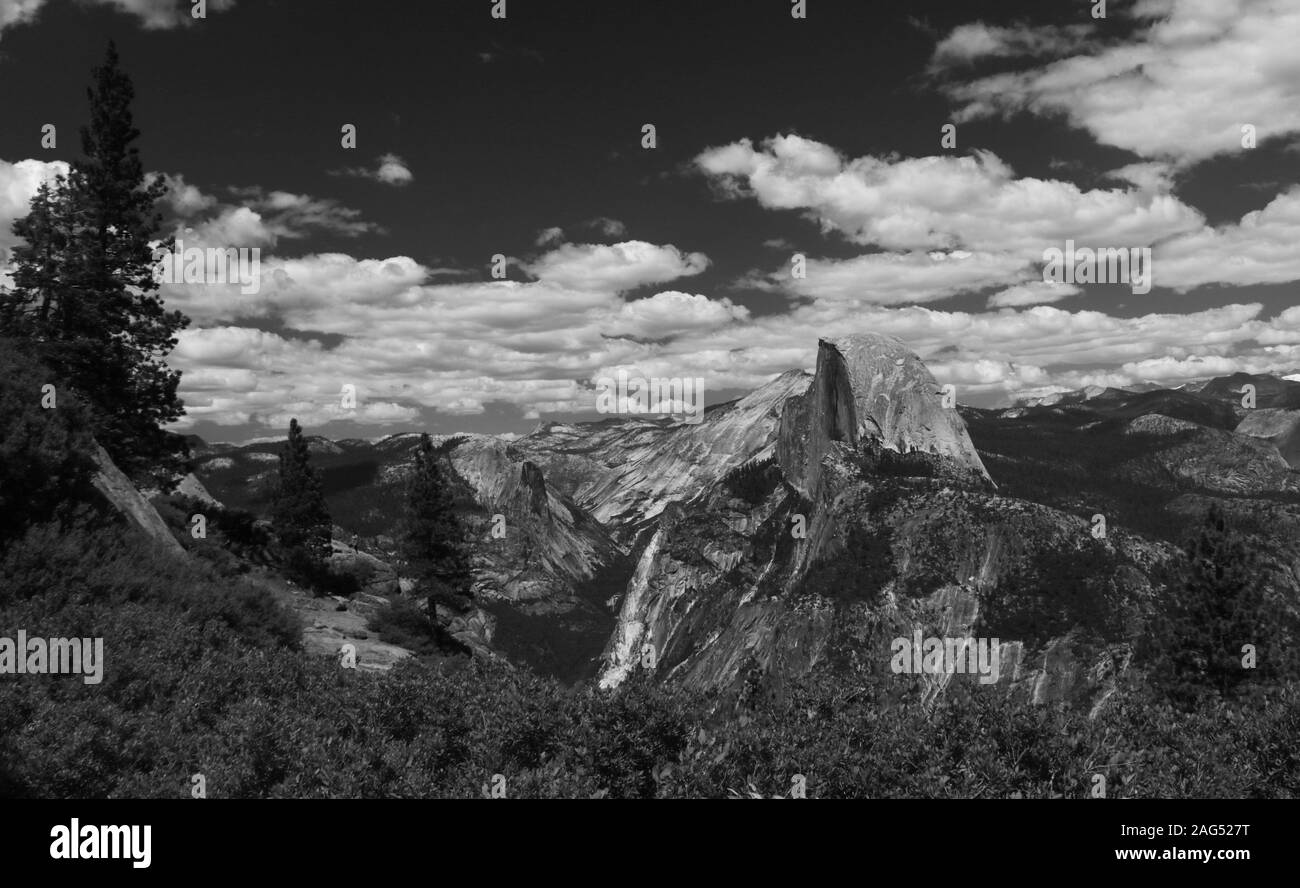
[71, 567]
[403, 623]
[45, 454]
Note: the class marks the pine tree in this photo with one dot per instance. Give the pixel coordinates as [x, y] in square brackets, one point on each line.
[431, 539]
[84, 286]
[33, 309]
[1220, 607]
[299, 515]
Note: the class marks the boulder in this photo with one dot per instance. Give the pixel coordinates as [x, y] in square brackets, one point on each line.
[123, 496]
[375, 576]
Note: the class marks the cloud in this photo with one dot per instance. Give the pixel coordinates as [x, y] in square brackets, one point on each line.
[1179, 89]
[607, 227]
[153, 14]
[672, 313]
[293, 216]
[617, 267]
[942, 202]
[1032, 293]
[550, 236]
[183, 198]
[315, 292]
[18, 184]
[230, 227]
[896, 278]
[976, 205]
[1259, 249]
[389, 170]
[1150, 176]
[971, 42]
[458, 347]
[17, 12]
[164, 14]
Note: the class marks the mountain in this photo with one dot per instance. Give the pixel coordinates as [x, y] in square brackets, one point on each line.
[822, 515]
[1281, 428]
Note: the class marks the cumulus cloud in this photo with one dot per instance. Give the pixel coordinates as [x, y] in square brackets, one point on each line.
[454, 347]
[1180, 89]
[1259, 249]
[944, 202]
[931, 228]
[671, 312]
[183, 198]
[316, 289]
[18, 184]
[977, 205]
[389, 169]
[617, 267]
[458, 347]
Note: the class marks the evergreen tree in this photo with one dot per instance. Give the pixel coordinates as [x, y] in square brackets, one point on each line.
[1219, 607]
[35, 308]
[298, 511]
[431, 539]
[84, 286]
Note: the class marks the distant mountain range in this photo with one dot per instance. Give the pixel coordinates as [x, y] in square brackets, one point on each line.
[824, 513]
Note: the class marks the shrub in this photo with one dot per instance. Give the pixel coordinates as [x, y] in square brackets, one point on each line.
[44, 452]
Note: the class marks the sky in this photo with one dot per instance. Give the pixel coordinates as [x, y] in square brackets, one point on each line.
[801, 184]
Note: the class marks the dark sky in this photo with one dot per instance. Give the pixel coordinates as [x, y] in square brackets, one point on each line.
[511, 127]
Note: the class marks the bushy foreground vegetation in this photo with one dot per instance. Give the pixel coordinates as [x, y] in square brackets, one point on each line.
[204, 675]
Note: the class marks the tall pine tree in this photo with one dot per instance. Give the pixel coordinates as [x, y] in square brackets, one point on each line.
[299, 515]
[84, 286]
[431, 539]
[35, 309]
[1220, 606]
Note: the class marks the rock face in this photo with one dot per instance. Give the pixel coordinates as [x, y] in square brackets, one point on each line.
[557, 539]
[192, 487]
[1213, 460]
[375, 576]
[870, 386]
[1281, 428]
[626, 472]
[725, 582]
[118, 490]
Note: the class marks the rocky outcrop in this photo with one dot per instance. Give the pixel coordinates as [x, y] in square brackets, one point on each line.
[626, 472]
[542, 542]
[373, 575]
[898, 529]
[870, 386]
[1236, 464]
[192, 487]
[123, 496]
[1281, 428]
